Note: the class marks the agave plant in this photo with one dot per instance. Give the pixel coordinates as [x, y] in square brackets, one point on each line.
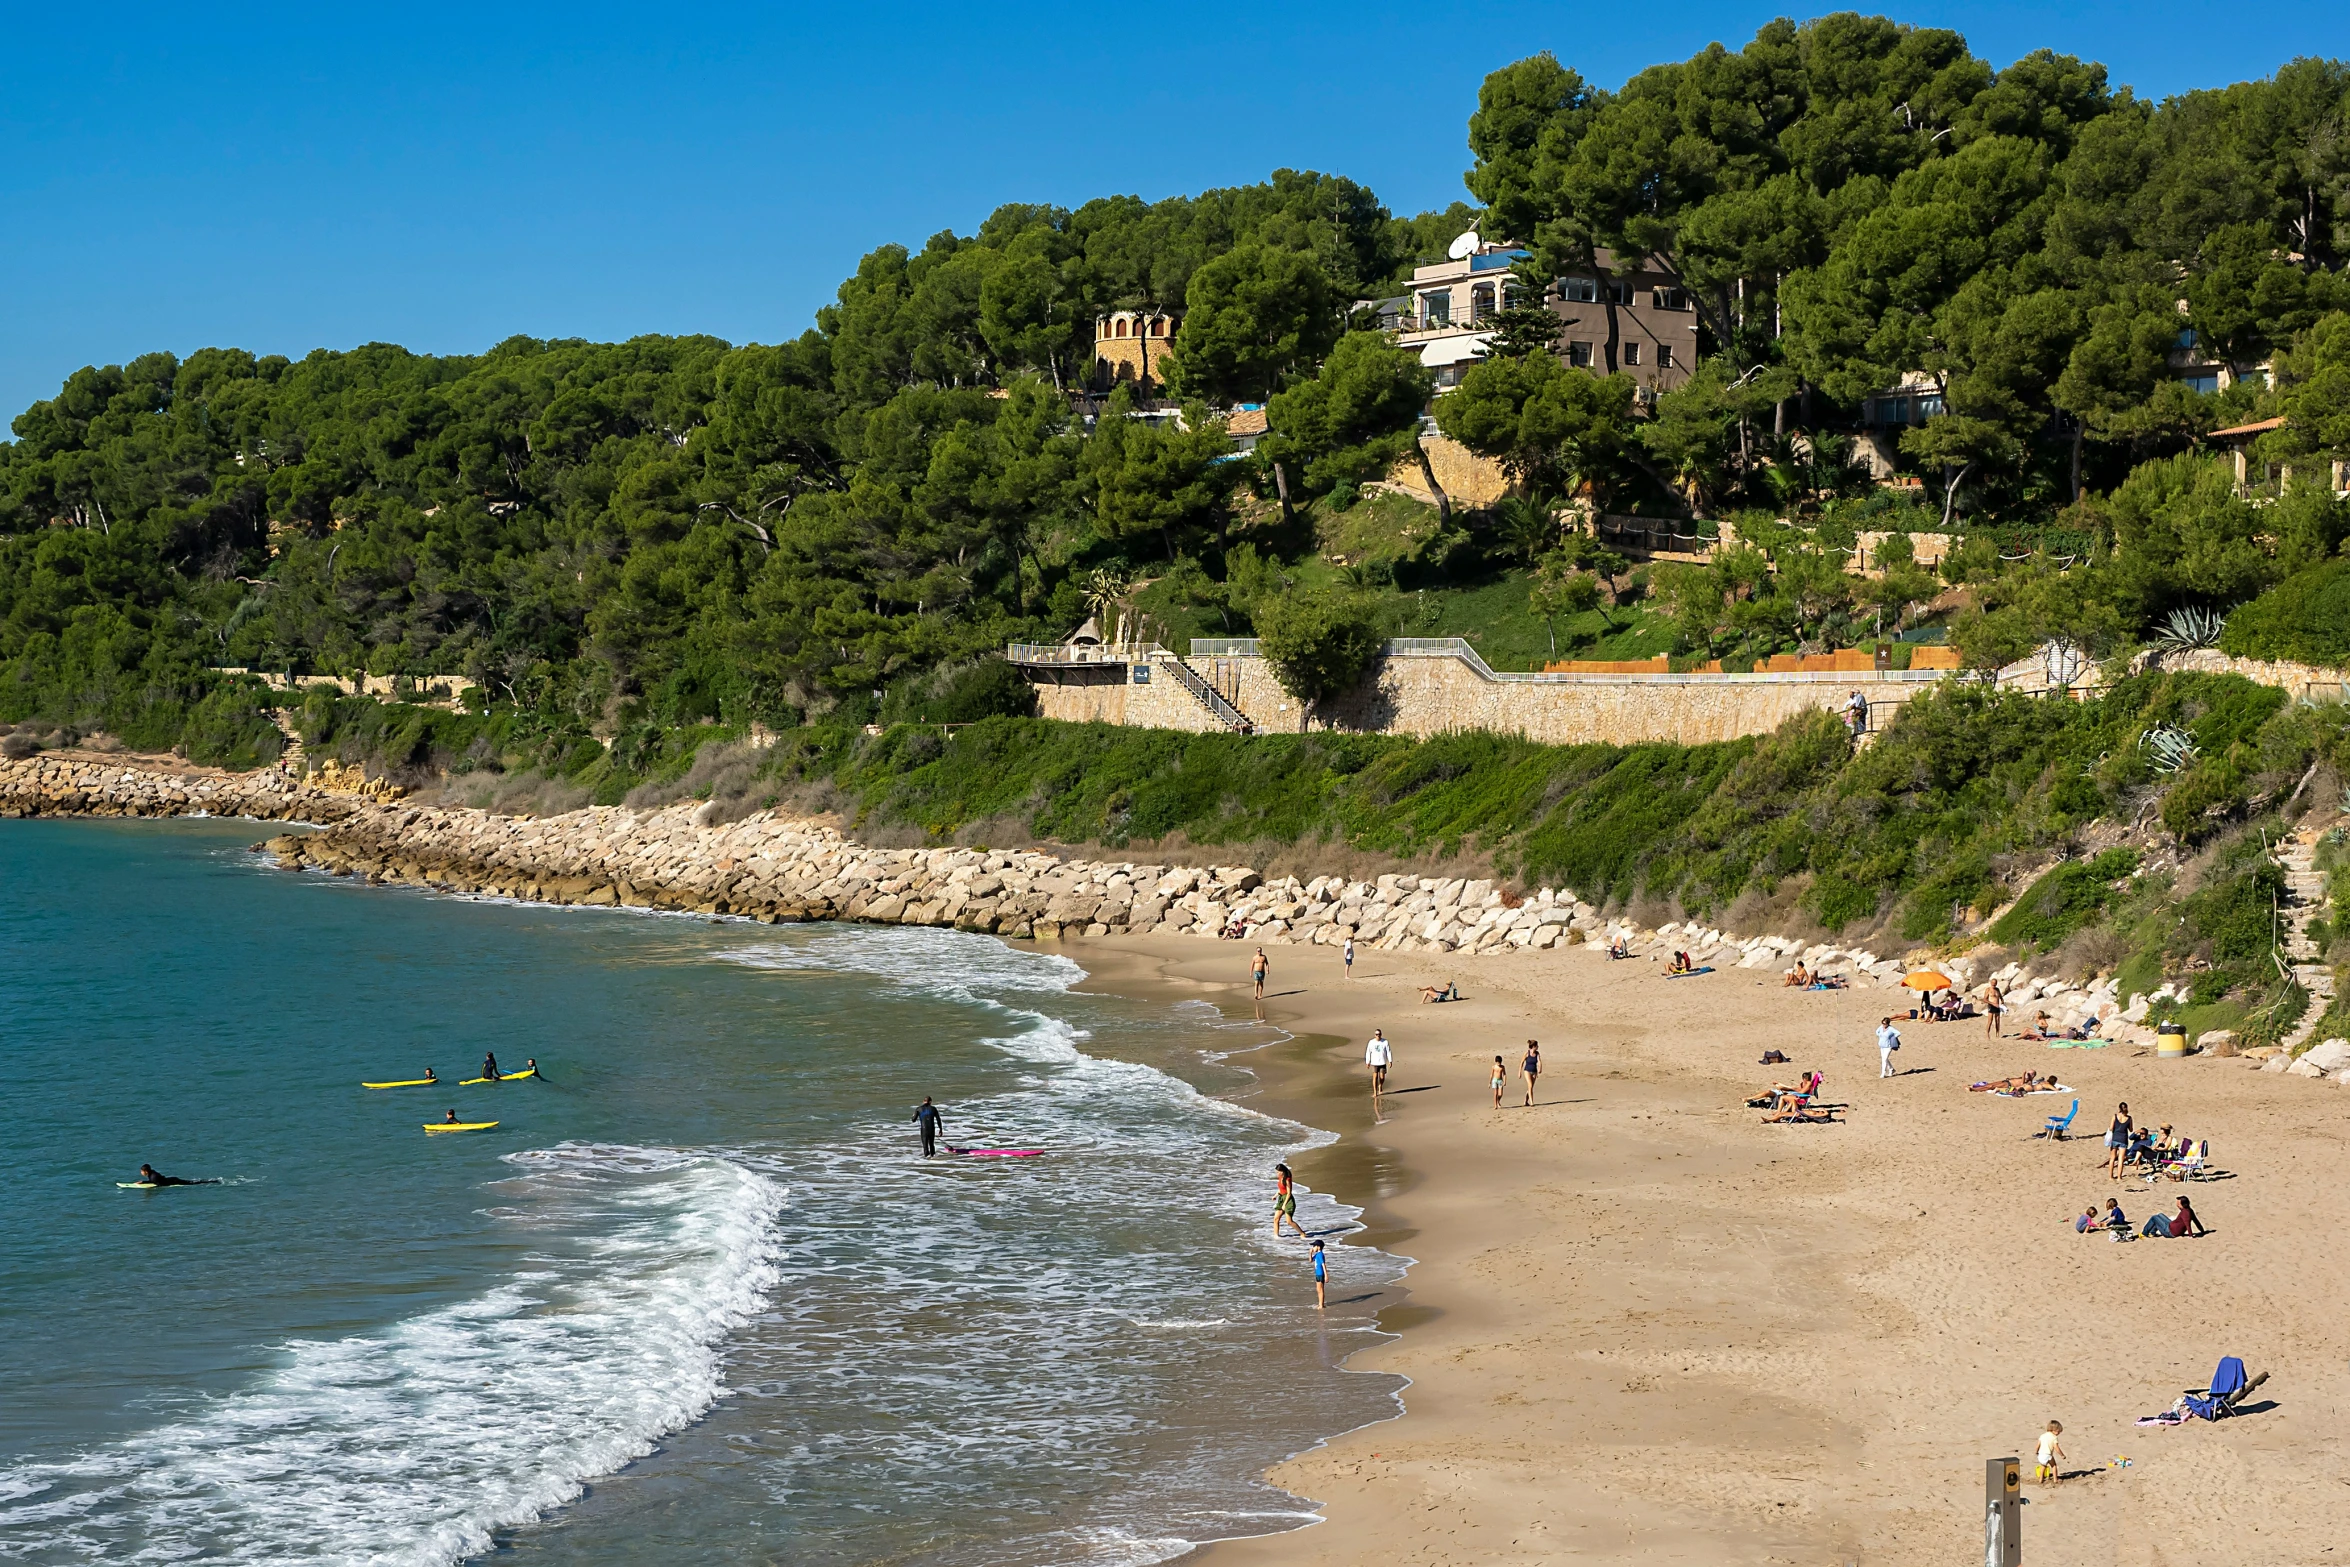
[2172, 746]
[2191, 628]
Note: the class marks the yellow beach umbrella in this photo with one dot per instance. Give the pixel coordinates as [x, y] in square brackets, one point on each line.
[1927, 979]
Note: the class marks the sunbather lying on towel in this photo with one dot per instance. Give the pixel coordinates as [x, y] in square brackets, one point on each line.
[1829, 982]
[1804, 1113]
[2006, 1085]
[1618, 947]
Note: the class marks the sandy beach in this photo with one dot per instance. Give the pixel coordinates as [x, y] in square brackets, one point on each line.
[1643, 1325]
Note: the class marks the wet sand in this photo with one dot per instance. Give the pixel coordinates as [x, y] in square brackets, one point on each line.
[1643, 1325]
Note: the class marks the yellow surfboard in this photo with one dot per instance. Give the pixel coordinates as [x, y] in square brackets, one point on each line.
[409, 1082]
[458, 1126]
[504, 1077]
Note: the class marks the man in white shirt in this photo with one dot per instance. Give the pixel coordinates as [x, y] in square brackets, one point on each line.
[1378, 1055]
[1888, 1041]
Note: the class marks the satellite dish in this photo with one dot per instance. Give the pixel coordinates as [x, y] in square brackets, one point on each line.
[1464, 246]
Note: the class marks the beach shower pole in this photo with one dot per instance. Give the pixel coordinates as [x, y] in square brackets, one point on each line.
[2003, 1513]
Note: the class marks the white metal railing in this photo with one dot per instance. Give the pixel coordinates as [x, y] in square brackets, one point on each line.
[1062, 653]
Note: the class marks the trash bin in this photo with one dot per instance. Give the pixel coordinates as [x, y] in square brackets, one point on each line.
[2170, 1039]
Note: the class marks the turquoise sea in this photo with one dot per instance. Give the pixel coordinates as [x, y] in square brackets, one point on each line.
[695, 1298]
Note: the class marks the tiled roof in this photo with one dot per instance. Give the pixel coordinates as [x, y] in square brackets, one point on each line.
[1245, 421]
[2259, 428]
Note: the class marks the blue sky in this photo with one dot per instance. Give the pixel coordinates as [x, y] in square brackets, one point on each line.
[319, 177]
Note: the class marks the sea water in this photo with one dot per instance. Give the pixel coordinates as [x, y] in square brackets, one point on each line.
[696, 1297]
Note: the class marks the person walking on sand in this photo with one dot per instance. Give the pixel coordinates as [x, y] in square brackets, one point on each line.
[2048, 1467]
[2117, 1140]
[1993, 1004]
[1257, 970]
[930, 1122]
[1888, 1041]
[1321, 1280]
[1346, 954]
[1531, 1068]
[1285, 1201]
[1378, 1055]
[1501, 1077]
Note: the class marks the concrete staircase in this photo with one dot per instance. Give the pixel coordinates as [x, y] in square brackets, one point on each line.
[2305, 900]
[1205, 693]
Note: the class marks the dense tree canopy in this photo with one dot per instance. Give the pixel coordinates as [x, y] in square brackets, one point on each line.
[674, 529]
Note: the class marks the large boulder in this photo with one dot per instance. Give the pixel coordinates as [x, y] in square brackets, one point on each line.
[2217, 1042]
[2329, 1057]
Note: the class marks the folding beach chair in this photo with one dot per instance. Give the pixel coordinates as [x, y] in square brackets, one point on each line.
[2058, 1125]
[2191, 1166]
[2228, 1389]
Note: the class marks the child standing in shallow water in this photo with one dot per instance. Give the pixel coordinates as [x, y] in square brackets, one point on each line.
[1321, 1281]
[1501, 1077]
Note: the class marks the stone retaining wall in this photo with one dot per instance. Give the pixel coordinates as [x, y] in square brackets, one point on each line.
[1423, 696]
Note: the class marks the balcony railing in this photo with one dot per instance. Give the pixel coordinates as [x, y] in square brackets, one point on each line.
[1063, 654]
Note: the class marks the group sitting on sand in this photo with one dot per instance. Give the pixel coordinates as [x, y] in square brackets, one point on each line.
[1803, 978]
[1945, 1006]
[2162, 1226]
[2017, 1087]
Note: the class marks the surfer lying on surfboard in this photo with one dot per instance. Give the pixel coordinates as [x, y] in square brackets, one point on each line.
[148, 1177]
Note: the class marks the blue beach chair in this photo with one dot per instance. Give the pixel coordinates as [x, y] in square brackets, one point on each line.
[2058, 1125]
[2228, 1388]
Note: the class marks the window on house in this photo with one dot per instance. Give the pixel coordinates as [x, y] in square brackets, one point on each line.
[1579, 354]
[2186, 337]
[2201, 381]
[1631, 353]
[1119, 330]
[1481, 302]
[1436, 309]
[1621, 293]
[1664, 356]
[1578, 291]
[1929, 406]
[1672, 299]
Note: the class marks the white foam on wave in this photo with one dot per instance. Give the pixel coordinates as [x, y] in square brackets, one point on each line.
[411, 1446]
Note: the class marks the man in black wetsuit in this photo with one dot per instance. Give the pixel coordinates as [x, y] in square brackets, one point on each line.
[148, 1175]
[931, 1122]
[489, 1066]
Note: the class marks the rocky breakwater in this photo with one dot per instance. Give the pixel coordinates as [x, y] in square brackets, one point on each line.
[69, 785]
[774, 868]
